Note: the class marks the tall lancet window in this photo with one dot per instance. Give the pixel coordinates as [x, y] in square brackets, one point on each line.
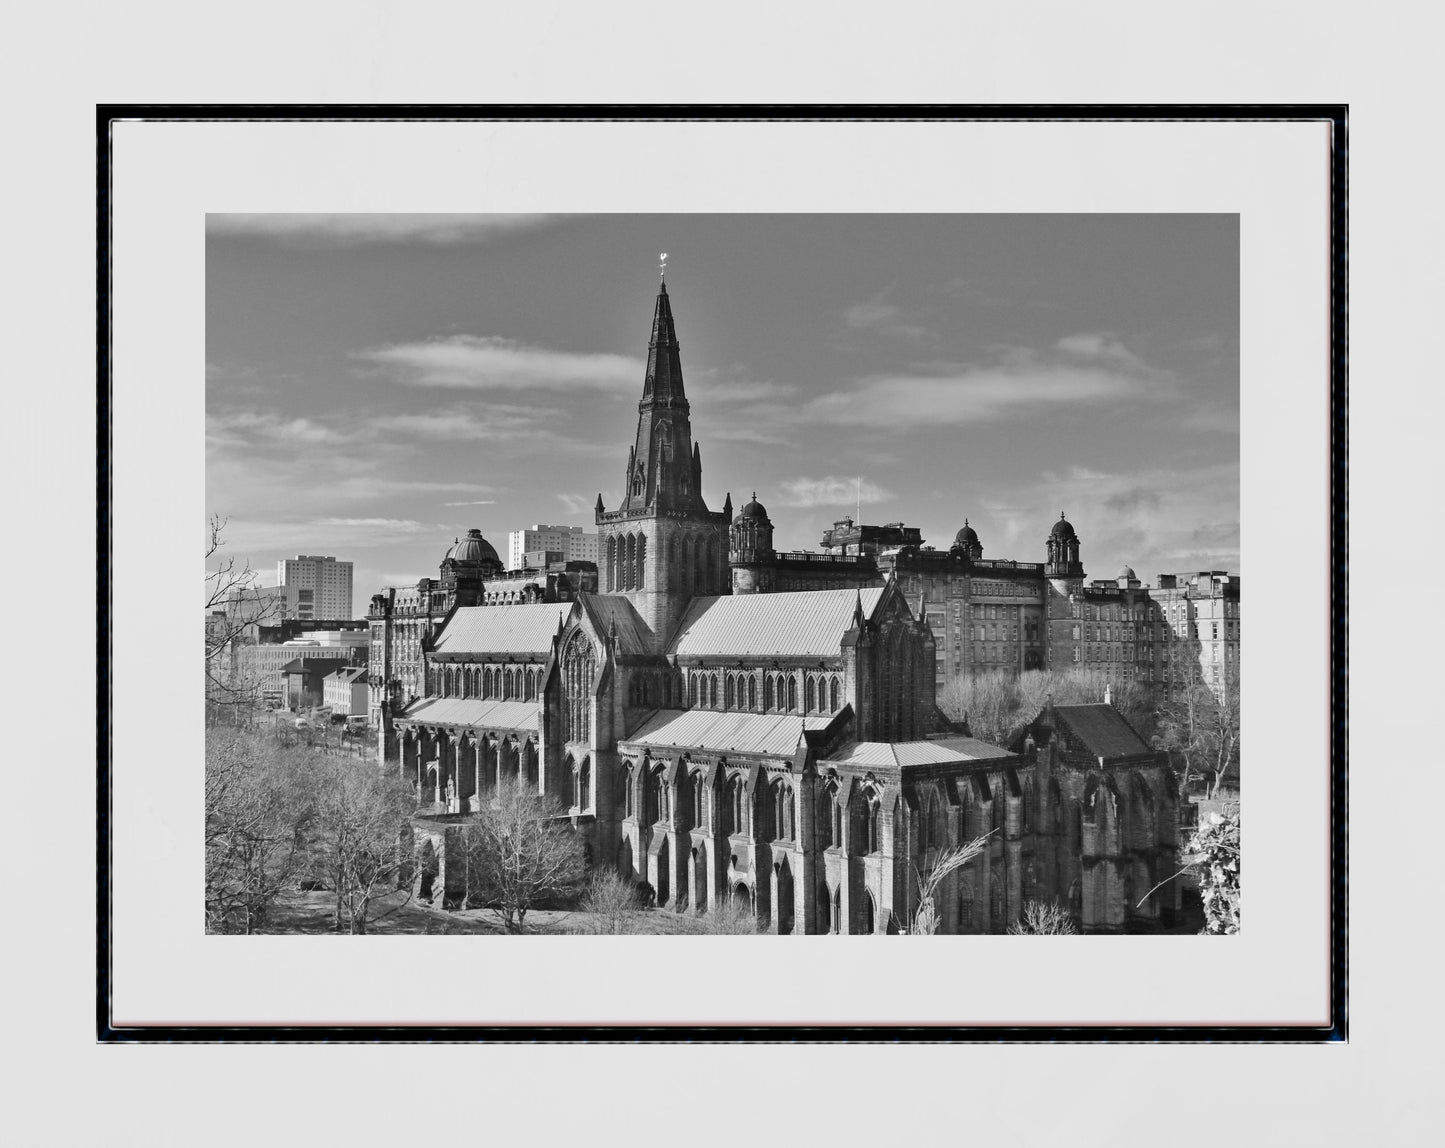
[629, 562]
[638, 580]
[612, 564]
[579, 665]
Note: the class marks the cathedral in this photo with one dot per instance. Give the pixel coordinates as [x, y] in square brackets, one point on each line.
[731, 725]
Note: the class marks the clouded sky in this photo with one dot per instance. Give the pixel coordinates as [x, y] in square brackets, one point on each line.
[375, 385]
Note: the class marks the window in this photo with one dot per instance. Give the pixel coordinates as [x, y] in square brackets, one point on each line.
[729, 702]
[752, 692]
[768, 692]
[833, 696]
[810, 696]
[792, 694]
[691, 690]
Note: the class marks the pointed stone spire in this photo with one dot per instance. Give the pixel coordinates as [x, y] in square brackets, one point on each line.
[664, 360]
[599, 504]
[728, 506]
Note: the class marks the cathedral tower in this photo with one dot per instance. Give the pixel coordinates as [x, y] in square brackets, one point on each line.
[662, 545]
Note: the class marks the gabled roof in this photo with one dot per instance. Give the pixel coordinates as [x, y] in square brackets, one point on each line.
[603, 610]
[1100, 730]
[348, 675]
[774, 735]
[807, 623]
[476, 712]
[861, 754]
[524, 629]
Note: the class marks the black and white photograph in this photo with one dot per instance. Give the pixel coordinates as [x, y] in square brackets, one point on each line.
[658, 574]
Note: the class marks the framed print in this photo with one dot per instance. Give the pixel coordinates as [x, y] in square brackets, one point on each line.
[699, 538]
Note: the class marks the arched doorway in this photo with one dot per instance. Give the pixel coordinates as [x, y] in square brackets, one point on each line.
[699, 879]
[785, 897]
[870, 915]
[429, 871]
[663, 885]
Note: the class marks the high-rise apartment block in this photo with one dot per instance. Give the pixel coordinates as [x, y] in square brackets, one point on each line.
[322, 586]
[572, 542]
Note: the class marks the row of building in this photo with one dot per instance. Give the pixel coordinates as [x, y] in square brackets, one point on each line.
[732, 723]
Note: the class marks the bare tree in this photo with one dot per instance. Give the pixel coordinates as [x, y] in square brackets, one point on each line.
[1199, 728]
[998, 704]
[258, 809]
[360, 812]
[523, 851]
[731, 916]
[613, 904]
[1044, 919]
[234, 603]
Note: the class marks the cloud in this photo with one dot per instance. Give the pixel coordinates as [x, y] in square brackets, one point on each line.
[1149, 519]
[474, 502]
[877, 314]
[470, 422]
[832, 491]
[873, 313]
[235, 428]
[494, 363]
[1101, 347]
[577, 504]
[397, 525]
[966, 395]
[349, 229]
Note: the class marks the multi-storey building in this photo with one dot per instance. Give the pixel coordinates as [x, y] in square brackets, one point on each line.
[322, 585]
[572, 543]
[1197, 619]
[726, 724]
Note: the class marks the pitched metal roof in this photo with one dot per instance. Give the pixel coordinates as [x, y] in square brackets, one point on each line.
[526, 629]
[871, 754]
[774, 735]
[807, 623]
[1101, 730]
[476, 712]
[605, 609]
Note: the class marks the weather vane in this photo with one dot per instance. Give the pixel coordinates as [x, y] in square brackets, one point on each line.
[662, 266]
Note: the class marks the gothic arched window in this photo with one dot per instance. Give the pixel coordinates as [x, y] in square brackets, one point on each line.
[712, 690]
[692, 690]
[752, 692]
[810, 696]
[823, 818]
[611, 564]
[729, 700]
[629, 562]
[792, 694]
[638, 576]
[768, 692]
[579, 664]
[833, 696]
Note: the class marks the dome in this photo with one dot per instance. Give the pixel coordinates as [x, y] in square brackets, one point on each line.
[1062, 529]
[754, 509]
[473, 549]
[966, 534]
[1126, 574]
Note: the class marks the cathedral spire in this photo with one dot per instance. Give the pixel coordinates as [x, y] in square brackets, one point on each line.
[663, 381]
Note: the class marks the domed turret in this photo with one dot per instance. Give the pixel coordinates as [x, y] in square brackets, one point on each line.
[753, 509]
[1126, 574]
[966, 543]
[474, 549]
[469, 562]
[750, 548]
[1063, 551]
